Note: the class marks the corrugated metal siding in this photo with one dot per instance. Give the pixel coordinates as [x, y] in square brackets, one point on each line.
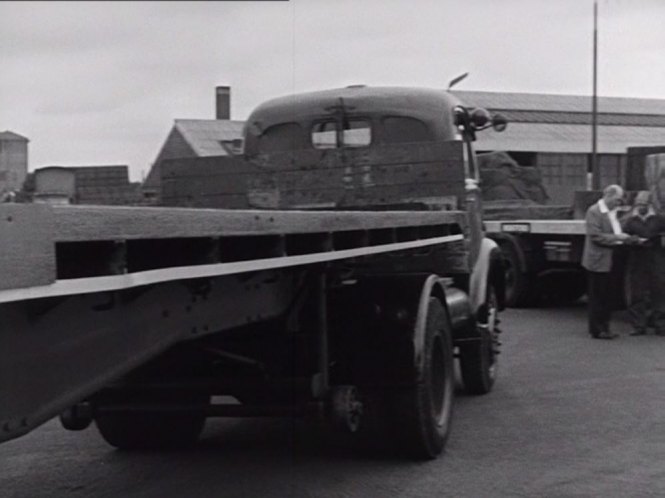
[101, 176]
[540, 137]
[174, 147]
[562, 174]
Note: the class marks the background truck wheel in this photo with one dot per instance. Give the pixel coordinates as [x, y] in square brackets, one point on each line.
[521, 290]
[564, 287]
[152, 430]
[425, 410]
[478, 359]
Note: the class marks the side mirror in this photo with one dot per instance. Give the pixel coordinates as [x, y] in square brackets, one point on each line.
[499, 122]
[460, 116]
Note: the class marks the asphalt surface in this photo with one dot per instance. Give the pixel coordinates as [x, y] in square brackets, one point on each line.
[569, 416]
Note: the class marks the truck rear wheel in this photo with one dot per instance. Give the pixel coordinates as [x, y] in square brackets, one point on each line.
[520, 286]
[135, 430]
[425, 409]
[478, 359]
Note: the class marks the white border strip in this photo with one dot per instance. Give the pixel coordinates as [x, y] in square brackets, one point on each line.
[542, 227]
[129, 280]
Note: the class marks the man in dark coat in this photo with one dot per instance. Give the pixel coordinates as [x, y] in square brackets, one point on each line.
[640, 277]
[603, 233]
[657, 274]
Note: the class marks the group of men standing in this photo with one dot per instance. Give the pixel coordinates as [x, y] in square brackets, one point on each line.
[639, 230]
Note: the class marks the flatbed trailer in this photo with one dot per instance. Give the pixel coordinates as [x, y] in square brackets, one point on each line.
[140, 318]
[543, 253]
[543, 244]
[542, 248]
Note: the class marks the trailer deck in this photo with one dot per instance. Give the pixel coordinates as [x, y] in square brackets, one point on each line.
[90, 293]
[82, 249]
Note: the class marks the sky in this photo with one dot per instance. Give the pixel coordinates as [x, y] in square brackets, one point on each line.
[92, 83]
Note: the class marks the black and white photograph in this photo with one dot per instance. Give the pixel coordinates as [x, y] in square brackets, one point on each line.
[332, 249]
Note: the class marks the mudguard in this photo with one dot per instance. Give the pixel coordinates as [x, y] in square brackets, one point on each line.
[521, 248]
[488, 267]
[378, 326]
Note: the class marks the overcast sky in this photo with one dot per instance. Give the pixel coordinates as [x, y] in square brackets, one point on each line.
[101, 82]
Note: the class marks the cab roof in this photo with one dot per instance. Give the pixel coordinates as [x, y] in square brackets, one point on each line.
[432, 106]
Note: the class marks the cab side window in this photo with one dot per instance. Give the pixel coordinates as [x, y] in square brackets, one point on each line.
[324, 135]
[282, 137]
[401, 129]
[356, 133]
[353, 133]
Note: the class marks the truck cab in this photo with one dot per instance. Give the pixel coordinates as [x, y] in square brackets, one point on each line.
[377, 148]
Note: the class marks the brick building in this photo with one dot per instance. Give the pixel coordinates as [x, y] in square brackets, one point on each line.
[198, 138]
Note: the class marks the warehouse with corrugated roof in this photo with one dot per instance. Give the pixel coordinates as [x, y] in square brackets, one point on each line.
[553, 133]
[550, 132]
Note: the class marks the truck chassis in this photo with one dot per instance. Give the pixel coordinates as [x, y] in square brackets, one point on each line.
[135, 317]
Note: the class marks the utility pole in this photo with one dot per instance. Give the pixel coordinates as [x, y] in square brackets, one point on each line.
[595, 173]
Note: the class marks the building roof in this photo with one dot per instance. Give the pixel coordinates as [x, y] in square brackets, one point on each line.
[10, 135]
[574, 138]
[562, 123]
[562, 103]
[205, 136]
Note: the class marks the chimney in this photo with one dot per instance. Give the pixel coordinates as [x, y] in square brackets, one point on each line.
[223, 102]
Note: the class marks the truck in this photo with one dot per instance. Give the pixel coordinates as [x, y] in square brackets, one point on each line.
[542, 244]
[542, 248]
[336, 269]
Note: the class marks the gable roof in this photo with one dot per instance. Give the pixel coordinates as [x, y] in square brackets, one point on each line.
[205, 135]
[194, 138]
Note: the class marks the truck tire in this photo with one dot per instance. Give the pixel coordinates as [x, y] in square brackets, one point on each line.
[152, 430]
[479, 359]
[425, 409]
[566, 287]
[521, 288]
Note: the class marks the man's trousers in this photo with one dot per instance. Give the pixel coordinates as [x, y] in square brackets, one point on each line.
[600, 302]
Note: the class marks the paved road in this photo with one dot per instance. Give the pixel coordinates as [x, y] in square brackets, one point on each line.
[570, 416]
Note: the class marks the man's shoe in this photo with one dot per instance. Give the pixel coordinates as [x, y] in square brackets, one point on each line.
[607, 335]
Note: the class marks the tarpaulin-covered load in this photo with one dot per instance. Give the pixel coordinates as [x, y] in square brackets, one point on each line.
[511, 191]
[501, 178]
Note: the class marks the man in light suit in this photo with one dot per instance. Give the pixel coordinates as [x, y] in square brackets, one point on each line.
[603, 233]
